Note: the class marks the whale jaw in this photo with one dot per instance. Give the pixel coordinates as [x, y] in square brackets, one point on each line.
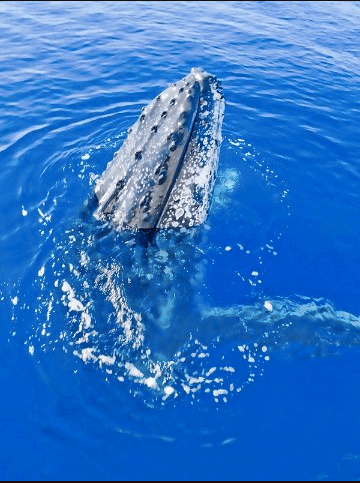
[163, 176]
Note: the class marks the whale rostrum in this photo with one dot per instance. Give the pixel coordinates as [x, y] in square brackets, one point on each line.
[164, 173]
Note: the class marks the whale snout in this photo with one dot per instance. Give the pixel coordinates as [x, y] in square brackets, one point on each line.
[169, 157]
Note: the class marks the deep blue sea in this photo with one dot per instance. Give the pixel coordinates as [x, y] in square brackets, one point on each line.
[253, 372]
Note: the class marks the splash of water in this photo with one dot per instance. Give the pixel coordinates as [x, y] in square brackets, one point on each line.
[142, 315]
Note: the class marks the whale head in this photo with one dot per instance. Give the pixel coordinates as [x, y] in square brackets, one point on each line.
[164, 173]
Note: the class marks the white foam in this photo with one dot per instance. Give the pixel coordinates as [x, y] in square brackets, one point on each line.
[268, 306]
[108, 360]
[133, 371]
[41, 271]
[219, 392]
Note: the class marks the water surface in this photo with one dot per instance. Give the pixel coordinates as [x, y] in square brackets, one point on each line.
[228, 354]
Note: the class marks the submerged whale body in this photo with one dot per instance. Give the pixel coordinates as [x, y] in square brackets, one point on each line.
[164, 173]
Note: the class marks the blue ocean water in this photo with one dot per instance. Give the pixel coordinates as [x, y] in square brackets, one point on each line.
[255, 373]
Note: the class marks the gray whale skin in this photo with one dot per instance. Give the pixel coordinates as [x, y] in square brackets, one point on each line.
[163, 175]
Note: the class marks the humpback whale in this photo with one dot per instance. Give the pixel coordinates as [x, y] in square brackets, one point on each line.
[164, 173]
